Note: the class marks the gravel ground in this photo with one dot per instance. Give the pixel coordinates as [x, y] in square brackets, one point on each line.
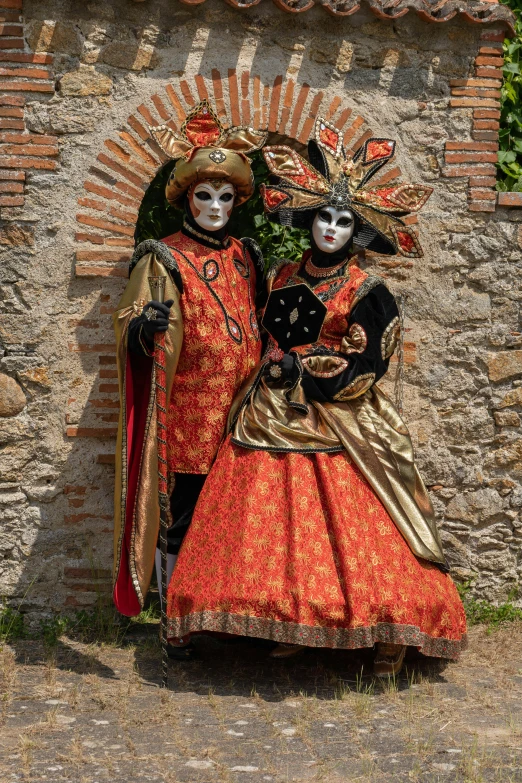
[95, 713]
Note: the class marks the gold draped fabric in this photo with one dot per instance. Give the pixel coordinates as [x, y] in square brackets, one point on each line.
[371, 431]
[137, 516]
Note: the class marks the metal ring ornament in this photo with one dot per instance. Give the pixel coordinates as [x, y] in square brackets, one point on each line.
[151, 314]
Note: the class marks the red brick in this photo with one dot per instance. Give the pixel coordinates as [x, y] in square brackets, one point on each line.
[13, 175]
[496, 62]
[202, 87]
[11, 187]
[274, 103]
[91, 347]
[481, 114]
[138, 128]
[456, 103]
[310, 120]
[108, 373]
[489, 73]
[332, 108]
[11, 29]
[28, 138]
[471, 157]
[26, 57]
[483, 135]
[28, 149]
[138, 149]
[496, 51]
[11, 43]
[387, 176]
[475, 83]
[245, 103]
[478, 92]
[12, 100]
[487, 194]
[160, 107]
[106, 459]
[91, 432]
[471, 145]
[91, 187]
[101, 271]
[12, 201]
[510, 199]
[106, 225]
[110, 256]
[465, 171]
[481, 206]
[352, 130]
[107, 359]
[148, 117]
[298, 109]
[482, 182]
[136, 194]
[287, 105]
[187, 94]
[11, 4]
[28, 163]
[486, 125]
[360, 141]
[87, 587]
[176, 103]
[9, 16]
[109, 388]
[217, 86]
[104, 403]
[12, 124]
[11, 111]
[122, 170]
[30, 73]
[126, 217]
[91, 203]
[493, 35]
[26, 86]
[343, 118]
[256, 99]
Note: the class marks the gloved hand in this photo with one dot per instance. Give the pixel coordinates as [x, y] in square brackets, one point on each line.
[284, 370]
[158, 323]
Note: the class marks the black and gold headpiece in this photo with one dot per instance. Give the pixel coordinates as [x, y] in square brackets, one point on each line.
[334, 178]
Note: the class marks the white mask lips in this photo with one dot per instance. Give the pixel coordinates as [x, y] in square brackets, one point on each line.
[211, 207]
[333, 228]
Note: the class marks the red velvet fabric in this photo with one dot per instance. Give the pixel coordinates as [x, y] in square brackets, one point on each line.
[138, 380]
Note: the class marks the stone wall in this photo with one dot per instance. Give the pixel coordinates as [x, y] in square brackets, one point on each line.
[82, 82]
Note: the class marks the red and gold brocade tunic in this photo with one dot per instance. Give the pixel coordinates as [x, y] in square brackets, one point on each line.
[221, 345]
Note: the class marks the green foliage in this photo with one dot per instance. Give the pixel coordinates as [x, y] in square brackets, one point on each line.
[479, 612]
[11, 624]
[51, 630]
[509, 176]
[157, 219]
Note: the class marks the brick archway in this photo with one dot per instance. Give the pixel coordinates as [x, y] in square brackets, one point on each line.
[123, 170]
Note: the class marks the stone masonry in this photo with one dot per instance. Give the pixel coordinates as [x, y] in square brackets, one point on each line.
[80, 84]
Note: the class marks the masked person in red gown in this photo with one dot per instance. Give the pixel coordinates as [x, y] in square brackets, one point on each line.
[314, 527]
[212, 343]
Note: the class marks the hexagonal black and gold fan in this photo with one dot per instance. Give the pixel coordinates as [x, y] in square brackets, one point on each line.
[294, 316]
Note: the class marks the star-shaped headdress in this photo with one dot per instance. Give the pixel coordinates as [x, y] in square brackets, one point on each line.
[335, 178]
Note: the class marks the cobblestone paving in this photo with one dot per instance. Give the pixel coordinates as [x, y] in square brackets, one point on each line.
[95, 714]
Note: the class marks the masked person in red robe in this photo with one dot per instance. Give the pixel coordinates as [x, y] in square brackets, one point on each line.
[314, 527]
[212, 343]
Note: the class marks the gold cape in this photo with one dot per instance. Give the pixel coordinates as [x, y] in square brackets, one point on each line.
[136, 520]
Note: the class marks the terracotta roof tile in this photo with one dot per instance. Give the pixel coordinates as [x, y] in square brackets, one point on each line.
[474, 11]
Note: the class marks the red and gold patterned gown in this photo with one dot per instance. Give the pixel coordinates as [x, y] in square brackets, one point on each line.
[315, 528]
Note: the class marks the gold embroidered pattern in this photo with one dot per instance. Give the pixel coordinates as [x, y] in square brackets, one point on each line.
[357, 387]
[355, 341]
[390, 338]
[325, 366]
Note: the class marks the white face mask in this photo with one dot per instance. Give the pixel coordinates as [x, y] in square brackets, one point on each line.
[332, 228]
[211, 207]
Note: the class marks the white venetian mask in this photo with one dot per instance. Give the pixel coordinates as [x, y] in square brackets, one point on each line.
[212, 205]
[333, 228]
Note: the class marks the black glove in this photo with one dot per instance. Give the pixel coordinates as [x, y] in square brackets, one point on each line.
[283, 370]
[160, 323]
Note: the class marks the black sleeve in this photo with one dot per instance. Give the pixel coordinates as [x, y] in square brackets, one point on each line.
[373, 329]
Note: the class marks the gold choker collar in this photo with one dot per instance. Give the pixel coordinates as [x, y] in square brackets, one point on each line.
[323, 271]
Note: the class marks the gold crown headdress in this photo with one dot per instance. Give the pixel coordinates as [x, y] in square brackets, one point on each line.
[205, 150]
[335, 178]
